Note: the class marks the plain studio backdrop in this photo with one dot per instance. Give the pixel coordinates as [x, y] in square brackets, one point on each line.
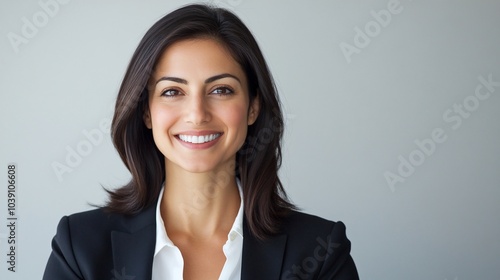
[392, 122]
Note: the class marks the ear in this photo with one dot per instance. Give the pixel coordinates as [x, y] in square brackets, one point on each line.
[253, 111]
[147, 117]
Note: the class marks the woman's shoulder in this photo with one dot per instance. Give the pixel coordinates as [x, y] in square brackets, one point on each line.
[101, 219]
[310, 231]
[94, 215]
[87, 227]
[316, 248]
[85, 242]
[302, 222]
[95, 218]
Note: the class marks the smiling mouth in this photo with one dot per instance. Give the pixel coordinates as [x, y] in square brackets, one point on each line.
[199, 139]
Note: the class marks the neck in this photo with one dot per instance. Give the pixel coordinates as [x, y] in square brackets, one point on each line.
[199, 205]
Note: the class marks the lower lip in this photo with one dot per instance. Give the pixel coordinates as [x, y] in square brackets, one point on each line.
[198, 146]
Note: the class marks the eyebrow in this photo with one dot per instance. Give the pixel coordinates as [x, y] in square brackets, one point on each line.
[209, 80]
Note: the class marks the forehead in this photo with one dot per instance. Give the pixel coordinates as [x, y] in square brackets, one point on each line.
[197, 58]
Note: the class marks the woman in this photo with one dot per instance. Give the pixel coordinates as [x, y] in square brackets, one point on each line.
[198, 124]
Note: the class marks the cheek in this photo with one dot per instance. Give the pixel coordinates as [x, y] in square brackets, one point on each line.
[162, 120]
[236, 116]
[235, 119]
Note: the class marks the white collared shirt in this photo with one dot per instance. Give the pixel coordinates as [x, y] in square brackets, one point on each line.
[168, 262]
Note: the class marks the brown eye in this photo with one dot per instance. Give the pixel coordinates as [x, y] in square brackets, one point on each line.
[170, 93]
[223, 91]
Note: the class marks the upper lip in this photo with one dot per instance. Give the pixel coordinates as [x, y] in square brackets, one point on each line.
[199, 132]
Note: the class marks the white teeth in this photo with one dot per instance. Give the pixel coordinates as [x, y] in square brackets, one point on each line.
[198, 139]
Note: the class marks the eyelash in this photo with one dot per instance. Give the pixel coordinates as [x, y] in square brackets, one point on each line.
[163, 93]
[227, 91]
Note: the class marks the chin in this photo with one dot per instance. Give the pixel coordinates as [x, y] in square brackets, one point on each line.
[199, 164]
[198, 167]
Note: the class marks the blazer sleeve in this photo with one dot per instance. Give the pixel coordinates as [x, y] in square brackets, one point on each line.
[338, 264]
[62, 264]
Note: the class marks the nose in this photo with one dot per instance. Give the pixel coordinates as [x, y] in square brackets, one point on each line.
[197, 111]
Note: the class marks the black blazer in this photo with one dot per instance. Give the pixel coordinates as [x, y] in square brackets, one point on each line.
[100, 246]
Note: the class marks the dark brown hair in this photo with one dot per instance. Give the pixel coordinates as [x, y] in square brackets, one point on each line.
[257, 162]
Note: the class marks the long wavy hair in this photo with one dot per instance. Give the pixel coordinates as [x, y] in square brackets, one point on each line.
[258, 160]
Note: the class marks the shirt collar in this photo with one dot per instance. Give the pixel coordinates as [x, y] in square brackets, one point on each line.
[238, 221]
[163, 240]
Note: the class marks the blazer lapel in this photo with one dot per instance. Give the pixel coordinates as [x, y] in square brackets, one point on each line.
[262, 259]
[133, 248]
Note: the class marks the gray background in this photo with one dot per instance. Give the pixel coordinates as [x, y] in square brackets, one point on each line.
[349, 119]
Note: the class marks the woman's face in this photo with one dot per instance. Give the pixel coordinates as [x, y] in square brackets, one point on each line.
[199, 107]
